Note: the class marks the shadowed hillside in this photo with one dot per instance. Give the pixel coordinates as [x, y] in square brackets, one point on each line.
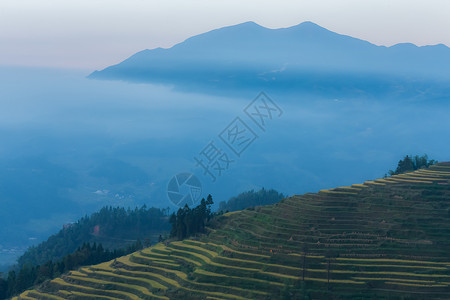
[387, 238]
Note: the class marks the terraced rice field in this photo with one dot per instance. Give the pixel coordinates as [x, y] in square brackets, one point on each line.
[384, 239]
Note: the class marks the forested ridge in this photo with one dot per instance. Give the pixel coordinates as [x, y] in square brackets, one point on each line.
[30, 275]
[109, 233]
[411, 163]
[250, 199]
[124, 231]
[113, 227]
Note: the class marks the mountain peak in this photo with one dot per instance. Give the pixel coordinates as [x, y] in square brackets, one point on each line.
[249, 25]
[308, 25]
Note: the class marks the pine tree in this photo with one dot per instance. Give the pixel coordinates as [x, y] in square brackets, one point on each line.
[409, 164]
[3, 287]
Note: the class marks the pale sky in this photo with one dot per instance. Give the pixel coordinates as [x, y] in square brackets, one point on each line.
[93, 34]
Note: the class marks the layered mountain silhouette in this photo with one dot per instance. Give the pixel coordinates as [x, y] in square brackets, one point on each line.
[303, 57]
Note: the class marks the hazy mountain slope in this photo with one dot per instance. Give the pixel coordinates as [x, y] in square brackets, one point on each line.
[387, 238]
[305, 57]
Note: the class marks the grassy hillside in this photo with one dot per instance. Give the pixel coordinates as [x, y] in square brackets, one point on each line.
[388, 238]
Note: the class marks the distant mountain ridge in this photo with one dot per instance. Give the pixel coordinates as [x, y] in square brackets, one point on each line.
[300, 56]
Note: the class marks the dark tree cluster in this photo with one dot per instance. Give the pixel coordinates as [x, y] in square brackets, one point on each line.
[187, 222]
[410, 163]
[3, 287]
[87, 254]
[114, 227]
[251, 199]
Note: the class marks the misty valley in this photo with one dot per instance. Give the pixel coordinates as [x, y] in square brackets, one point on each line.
[257, 156]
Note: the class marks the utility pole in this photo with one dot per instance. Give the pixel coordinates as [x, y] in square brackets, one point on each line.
[328, 272]
[305, 249]
[330, 255]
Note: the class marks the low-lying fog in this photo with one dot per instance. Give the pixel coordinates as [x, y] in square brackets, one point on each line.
[70, 145]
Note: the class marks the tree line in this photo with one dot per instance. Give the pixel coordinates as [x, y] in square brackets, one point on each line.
[412, 163]
[187, 222]
[250, 199]
[80, 243]
[114, 227]
[30, 275]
